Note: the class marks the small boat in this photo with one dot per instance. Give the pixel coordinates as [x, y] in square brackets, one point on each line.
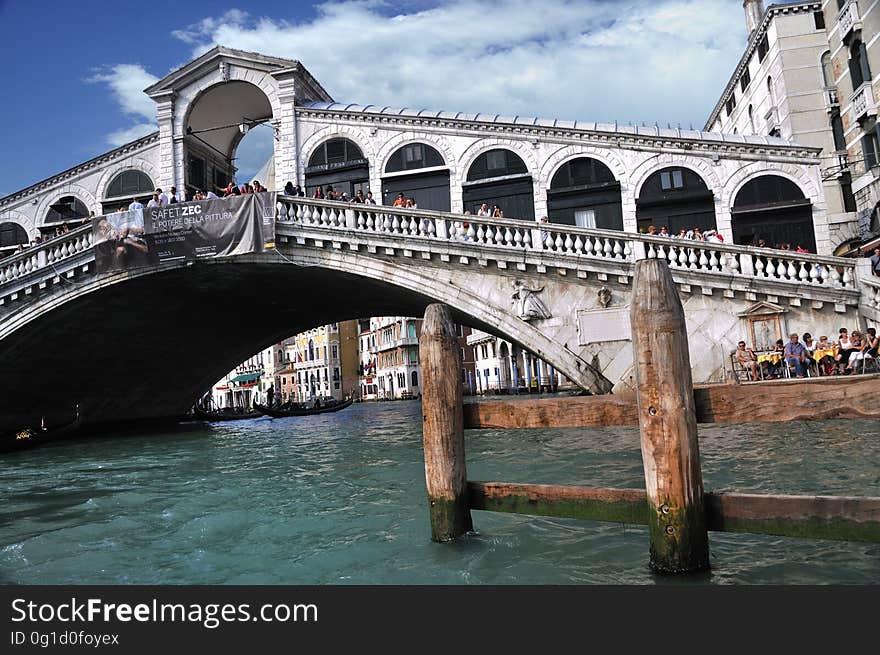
[283, 411]
[224, 414]
[30, 436]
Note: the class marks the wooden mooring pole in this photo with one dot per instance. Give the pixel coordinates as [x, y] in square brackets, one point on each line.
[443, 426]
[667, 423]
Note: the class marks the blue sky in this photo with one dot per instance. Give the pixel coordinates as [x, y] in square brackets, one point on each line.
[74, 88]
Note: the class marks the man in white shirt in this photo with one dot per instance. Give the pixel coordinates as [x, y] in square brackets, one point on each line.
[211, 195]
[154, 202]
[484, 210]
[135, 205]
[162, 198]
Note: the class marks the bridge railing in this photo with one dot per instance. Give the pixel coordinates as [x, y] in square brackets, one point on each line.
[570, 241]
[45, 254]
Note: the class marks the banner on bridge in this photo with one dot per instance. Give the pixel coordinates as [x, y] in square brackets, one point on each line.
[184, 231]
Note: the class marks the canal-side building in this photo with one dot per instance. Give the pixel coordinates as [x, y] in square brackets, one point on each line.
[603, 175]
[247, 383]
[504, 367]
[325, 362]
[398, 372]
[785, 85]
[852, 29]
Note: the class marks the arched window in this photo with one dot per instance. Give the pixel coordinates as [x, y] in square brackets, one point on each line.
[68, 208]
[752, 119]
[499, 178]
[412, 156]
[414, 379]
[311, 350]
[335, 151]
[12, 234]
[583, 192]
[771, 94]
[404, 174]
[859, 70]
[827, 70]
[338, 164]
[124, 188]
[496, 163]
[676, 198]
[773, 209]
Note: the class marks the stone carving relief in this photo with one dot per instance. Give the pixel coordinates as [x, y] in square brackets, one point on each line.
[604, 296]
[528, 304]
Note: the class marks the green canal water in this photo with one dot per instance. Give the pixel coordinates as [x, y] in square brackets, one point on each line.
[340, 499]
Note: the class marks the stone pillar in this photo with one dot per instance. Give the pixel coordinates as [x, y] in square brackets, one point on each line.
[527, 365]
[165, 118]
[286, 144]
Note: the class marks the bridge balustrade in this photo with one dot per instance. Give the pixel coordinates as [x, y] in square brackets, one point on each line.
[569, 241]
[45, 254]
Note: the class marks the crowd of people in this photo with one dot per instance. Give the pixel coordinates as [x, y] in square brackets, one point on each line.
[698, 234]
[805, 355]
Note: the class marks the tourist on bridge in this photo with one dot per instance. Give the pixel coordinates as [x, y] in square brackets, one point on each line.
[844, 348]
[400, 201]
[484, 210]
[163, 197]
[154, 201]
[134, 205]
[369, 200]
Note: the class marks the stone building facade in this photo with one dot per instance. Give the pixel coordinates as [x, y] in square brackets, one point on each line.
[784, 86]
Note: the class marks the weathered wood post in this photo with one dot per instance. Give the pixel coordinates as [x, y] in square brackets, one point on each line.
[443, 425]
[667, 422]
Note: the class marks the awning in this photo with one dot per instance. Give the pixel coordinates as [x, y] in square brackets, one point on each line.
[246, 377]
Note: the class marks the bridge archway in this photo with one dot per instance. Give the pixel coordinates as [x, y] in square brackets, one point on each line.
[215, 123]
[337, 162]
[66, 209]
[584, 192]
[500, 177]
[11, 235]
[418, 171]
[160, 309]
[678, 198]
[774, 209]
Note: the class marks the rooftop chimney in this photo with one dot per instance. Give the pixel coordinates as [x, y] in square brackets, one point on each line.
[754, 12]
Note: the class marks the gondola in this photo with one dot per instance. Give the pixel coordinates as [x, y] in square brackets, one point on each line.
[297, 410]
[227, 414]
[31, 436]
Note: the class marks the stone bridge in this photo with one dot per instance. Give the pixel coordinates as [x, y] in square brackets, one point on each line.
[147, 342]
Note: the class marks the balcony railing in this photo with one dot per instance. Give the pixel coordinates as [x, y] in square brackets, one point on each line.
[863, 102]
[831, 100]
[848, 20]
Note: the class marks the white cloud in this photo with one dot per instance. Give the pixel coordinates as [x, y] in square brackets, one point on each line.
[127, 83]
[127, 134]
[635, 60]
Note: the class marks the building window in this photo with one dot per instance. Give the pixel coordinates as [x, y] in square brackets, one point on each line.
[763, 47]
[414, 378]
[731, 104]
[745, 79]
[837, 132]
[849, 201]
[335, 351]
[827, 70]
[870, 149]
[819, 20]
[858, 64]
[671, 179]
[411, 330]
[335, 374]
